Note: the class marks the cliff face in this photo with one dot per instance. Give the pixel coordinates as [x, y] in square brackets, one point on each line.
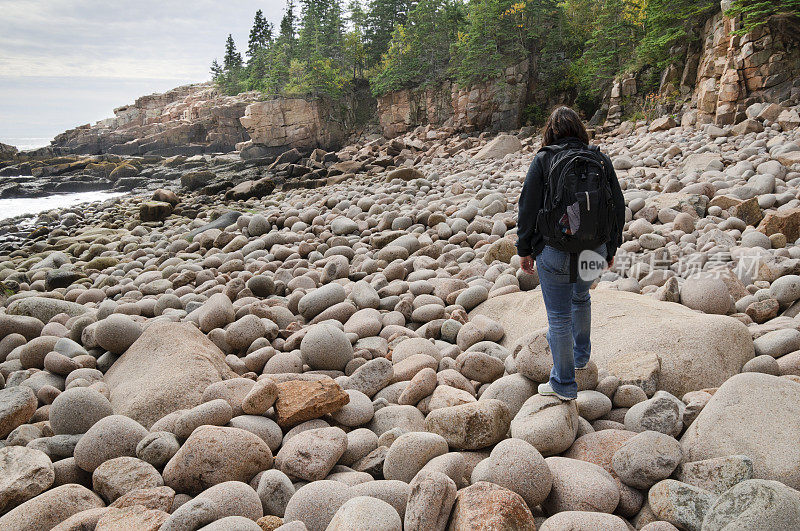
[186, 120]
[280, 124]
[724, 74]
[494, 105]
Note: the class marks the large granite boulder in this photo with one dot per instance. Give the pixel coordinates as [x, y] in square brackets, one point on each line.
[166, 369]
[752, 414]
[498, 148]
[695, 351]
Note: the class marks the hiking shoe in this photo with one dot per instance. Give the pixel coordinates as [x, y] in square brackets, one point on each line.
[547, 390]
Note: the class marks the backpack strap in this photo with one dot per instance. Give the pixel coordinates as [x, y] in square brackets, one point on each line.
[573, 267]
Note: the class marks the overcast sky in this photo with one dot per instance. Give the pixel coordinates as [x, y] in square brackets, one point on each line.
[65, 63]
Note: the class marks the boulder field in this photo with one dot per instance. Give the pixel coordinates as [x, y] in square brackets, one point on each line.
[365, 353]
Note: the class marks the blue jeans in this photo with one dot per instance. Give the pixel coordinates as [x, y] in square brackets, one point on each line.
[569, 318]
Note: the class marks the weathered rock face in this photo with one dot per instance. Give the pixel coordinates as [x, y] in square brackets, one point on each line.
[186, 120]
[495, 104]
[724, 74]
[283, 123]
[734, 71]
[403, 110]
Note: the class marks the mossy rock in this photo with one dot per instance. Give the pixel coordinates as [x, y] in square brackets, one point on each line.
[103, 169]
[101, 262]
[124, 170]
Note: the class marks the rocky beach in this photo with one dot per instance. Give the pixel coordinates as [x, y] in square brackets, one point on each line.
[345, 340]
[299, 305]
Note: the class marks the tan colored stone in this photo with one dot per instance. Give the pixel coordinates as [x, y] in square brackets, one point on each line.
[270, 523]
[152, 498]
[295, 122]
[747, 210]
[485, 505]
[24, 473]
[787, 222]
[135, 517]
[299, 401]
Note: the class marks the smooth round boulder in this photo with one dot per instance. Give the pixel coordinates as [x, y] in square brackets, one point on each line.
[216, 412]
[745, 410]
[314, 302]
[216, 312]
[117, 332]
[241, 334]
[517, 466]
[315, 503]
[213, 455]
[575, 520]
[547, 423]
[77, 409]
[229, 498]
[275, 490]
[325, 347]
[364, 512]
[50, 508]
[110, 437]
[706, 293]
[157, 448]
[312, 454]
[32, 354]
[414, 345]
[646, 459]
[17, 406]
[410, 452]
[357, 412]
[580, 486]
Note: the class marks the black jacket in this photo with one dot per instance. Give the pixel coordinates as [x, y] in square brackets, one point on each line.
[530, 242]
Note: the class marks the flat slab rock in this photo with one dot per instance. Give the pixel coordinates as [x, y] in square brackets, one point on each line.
[696, 350]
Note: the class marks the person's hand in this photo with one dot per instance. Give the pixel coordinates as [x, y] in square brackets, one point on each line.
[611, 263]
[526, 262]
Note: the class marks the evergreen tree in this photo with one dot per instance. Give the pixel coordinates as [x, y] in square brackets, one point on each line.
[382, 17]
[354, 45]
[755, 13]
[216, 70]
[233, 59]
[419, 51]
[321, 29]
[288, 28]
[260, 34]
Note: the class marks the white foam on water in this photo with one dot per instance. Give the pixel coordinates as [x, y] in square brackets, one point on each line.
[25, 143]
[10, 208]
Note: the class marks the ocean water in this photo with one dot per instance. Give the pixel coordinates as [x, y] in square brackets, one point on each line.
[10, 208]
[23, 143]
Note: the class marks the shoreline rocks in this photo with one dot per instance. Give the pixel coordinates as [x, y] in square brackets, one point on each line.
[359, 344]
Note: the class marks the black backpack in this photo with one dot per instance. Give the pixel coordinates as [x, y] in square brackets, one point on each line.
[578, 209]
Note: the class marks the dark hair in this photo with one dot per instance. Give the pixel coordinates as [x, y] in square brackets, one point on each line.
[563, 122]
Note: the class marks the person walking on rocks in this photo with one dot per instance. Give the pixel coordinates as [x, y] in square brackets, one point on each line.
[571, 214]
